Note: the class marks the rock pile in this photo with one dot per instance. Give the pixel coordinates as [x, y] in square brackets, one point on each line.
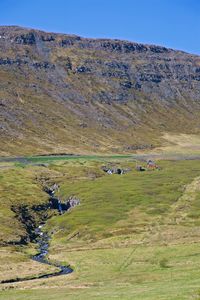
[115, 170]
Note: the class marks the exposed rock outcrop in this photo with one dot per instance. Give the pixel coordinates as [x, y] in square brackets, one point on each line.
[52, 83]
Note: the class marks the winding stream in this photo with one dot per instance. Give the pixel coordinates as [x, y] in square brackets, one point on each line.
[42, 240]
[43, 246]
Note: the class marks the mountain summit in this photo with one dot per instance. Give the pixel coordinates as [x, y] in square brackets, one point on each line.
[64, 93]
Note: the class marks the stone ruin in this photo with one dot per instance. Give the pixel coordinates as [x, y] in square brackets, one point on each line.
[151, 165]
[140, 168]
[115, 170]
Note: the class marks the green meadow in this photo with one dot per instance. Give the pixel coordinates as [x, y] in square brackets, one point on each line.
[133, 236]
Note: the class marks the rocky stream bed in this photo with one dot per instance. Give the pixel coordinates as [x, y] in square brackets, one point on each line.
[38, 235]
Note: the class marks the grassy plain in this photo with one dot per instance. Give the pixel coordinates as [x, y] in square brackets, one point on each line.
[134, 236]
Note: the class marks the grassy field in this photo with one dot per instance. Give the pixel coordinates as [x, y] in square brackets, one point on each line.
[134, 236]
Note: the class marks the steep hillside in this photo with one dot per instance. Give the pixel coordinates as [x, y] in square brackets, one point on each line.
[63, 93]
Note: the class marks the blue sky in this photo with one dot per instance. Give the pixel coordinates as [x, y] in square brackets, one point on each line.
[172, 23]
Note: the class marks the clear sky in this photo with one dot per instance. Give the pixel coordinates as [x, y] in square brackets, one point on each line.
[172, 23]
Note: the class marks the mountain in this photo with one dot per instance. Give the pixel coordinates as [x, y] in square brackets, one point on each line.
[67, 94]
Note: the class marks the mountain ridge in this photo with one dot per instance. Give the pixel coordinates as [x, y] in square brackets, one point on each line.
[20, 28]
[65, 93]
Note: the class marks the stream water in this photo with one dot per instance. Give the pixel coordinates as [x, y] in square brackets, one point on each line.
[43, 246]
[42, 240]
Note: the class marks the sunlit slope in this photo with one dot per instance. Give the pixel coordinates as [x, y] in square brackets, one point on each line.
[62, 93]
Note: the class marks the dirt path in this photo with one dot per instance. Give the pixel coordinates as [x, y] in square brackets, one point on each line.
[180, 209]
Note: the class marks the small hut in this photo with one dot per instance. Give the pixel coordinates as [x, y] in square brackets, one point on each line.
[151, 165]
[140, 168]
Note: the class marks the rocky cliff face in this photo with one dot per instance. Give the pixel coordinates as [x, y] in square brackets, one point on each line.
[67, 93]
